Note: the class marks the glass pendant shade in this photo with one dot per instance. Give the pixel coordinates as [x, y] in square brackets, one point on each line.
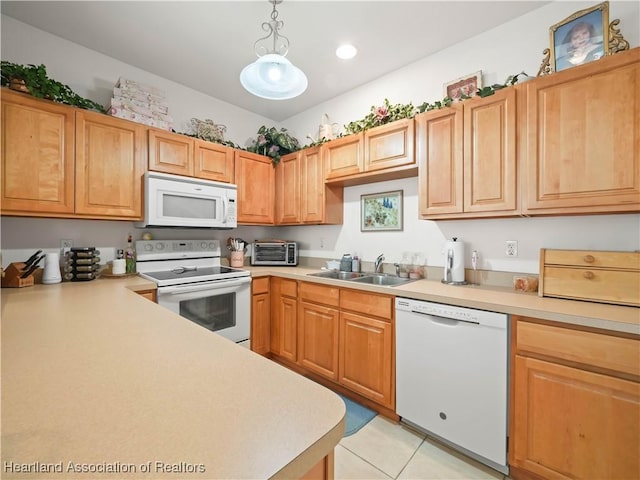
[273, 77]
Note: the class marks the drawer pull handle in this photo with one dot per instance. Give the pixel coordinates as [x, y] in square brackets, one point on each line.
[589, 275]
[589, 259]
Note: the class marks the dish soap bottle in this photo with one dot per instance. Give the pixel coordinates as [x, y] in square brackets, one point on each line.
[130, 256]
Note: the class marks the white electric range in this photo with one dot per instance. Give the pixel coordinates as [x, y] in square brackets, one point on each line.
[192, 283]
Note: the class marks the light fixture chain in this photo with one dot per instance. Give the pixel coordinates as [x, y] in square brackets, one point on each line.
[280, 43]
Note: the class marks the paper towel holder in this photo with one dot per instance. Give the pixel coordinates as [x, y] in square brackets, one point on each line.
[448, 267]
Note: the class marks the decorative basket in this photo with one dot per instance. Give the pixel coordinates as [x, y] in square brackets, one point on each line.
[207, 130]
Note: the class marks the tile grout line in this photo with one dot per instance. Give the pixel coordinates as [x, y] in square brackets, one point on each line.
[366, 461]
[410, 458]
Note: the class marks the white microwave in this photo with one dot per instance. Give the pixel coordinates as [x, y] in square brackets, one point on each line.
[176, 201]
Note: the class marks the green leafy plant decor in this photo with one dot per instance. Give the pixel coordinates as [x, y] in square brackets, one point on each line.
[274, 143]
[386, 113]
[35, 80]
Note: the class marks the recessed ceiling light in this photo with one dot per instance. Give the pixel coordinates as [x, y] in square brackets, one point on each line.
[346, 51]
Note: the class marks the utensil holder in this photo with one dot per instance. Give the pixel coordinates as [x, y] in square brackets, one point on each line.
[236, 259]
[12, 278]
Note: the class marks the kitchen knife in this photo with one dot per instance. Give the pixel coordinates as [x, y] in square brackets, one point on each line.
[30, 260]
[32, 268]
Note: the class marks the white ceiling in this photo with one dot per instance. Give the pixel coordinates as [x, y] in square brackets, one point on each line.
[205, 45]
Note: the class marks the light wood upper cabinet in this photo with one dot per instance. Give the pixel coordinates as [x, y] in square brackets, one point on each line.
[490, 153]
[213, 161]
[468, 158]
[37, 156]
[344, 156]
[389, 146]
[170, 153]
[181, 155]
[110, 160]
[575, 404]
[320, 203]
[375, 155]
[583, 138]
[288, 189]
[439, 153]
[302, 197]
[255, 178]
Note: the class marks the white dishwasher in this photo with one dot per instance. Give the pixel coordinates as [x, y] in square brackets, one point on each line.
[451, 376]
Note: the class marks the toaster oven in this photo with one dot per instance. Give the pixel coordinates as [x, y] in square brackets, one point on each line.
[274, 253]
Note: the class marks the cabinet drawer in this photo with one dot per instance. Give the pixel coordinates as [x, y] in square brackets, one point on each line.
[609, 286]
[595, 349]
[592, 259]
[283, 286]
[260, 285]
[367, 303]
[316, 293]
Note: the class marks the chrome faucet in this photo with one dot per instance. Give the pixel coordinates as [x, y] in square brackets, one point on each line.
[378, 263]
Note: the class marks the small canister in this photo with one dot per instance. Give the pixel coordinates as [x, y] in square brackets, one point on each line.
[346, 263]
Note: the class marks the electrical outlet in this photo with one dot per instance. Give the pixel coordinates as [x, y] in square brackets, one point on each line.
[66, 243]
[511, 248]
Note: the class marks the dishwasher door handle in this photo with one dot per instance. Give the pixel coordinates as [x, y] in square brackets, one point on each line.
[446, 321]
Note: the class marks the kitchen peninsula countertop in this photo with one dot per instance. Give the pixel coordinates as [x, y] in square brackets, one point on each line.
[500, 299]
[95, 376]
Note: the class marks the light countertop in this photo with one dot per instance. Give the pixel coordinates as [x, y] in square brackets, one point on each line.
[500, 299]
[95, 376]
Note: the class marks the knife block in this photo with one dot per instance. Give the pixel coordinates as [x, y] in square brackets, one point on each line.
[12, 278]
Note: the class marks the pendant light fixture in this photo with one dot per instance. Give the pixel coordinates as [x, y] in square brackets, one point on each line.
[272, 76]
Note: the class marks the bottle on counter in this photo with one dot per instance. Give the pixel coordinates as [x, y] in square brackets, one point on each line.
[130, 256]
[355, 264]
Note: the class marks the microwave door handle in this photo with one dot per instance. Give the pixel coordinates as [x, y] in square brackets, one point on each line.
[225, 205]
[176, 290]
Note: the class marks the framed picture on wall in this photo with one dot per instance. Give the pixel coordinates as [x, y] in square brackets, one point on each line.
[381, 211]
[463, 87]
[580, 38]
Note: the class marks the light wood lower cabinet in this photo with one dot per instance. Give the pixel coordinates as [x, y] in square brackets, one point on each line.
[284, 318]
[318, 326]
[260, 315]
[575, 403]
[367, 364]
[345, 336]
[149, 294]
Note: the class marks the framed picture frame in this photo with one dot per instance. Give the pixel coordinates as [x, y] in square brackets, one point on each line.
[580, 38]
[381, 211]
[463, 86]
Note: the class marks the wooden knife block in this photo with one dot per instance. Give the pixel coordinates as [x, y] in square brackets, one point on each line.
[12, 278]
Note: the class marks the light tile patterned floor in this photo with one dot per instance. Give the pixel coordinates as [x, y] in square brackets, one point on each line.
[383, 449]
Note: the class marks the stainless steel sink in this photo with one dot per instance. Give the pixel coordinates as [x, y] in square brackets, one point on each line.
[386, 280]
[371, 278]
[337, 275]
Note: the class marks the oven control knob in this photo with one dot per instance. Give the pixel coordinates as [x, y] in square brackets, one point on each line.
[160, 246]
[203, 245]
[148, 247]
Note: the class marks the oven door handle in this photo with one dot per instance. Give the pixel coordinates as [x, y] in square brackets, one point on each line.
[203, 286]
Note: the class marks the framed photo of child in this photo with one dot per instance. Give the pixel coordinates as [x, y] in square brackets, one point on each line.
[580, 38]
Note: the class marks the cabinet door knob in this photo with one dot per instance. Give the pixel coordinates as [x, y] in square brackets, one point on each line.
[588, 275]
[589, 259]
